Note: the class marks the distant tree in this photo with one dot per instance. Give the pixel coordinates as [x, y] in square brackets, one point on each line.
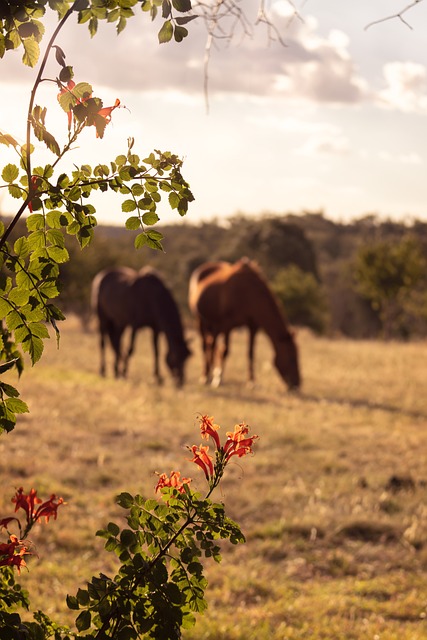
[274, 243]
[389, 274]
[302, 297]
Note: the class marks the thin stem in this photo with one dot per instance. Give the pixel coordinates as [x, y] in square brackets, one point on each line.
[27, 161]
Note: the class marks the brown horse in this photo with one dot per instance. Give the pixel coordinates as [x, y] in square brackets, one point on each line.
[225, 296]
[122, 298]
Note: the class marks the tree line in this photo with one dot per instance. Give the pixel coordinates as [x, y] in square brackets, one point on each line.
[364, 278]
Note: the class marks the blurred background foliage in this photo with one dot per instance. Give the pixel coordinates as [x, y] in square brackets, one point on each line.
[365, 278]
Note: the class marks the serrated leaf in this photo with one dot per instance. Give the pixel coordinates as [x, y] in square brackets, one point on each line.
[133, 223]
[58, 254]
[10, 173]
[19, 296]
[5, 307]
[7, 139]
[16, 405]
[128, 206]
[40, 330]
[32, 52]
[140, 241]
[150, 218]
[35, 221]
[21, 247]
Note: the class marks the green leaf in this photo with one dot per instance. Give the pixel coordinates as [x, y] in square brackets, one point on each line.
[6, 139]
[72, 602]
[58, 254]
[180, 33]
[10, 173]
[16, 405]
[32, 52]
[128, 206]
[133, 223]
[166, 32]
[184, 19]
[35, 221]
[140, 240]
[182, 5]
[150, 218]
[5, 366]
[82, 597]
[83, 621]
[21, 247]
[19, 296]
[125, 500]
[173, 200]
[113, 528]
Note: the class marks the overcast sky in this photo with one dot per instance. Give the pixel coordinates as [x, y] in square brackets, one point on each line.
[336, 120]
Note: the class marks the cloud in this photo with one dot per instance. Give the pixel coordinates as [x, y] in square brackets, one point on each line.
[310, 68]
[408, 158]
[406, 88]
[332, 145]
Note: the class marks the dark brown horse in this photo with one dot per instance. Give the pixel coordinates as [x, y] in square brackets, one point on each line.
[224, 296]
[122, 298]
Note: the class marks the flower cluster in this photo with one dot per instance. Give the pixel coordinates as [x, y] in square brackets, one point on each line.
[35, 509]
[174, 481]
[12, 553]
[238, 443]
[86, 108]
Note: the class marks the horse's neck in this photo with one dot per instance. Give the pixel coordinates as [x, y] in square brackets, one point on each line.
[170, 322]
[268, 316]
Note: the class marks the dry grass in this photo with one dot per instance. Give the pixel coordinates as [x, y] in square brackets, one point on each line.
[333, 504]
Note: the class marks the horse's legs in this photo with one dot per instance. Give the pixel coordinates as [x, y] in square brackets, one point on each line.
[206, 339]
[115, 335]
[156, 357]
[221, 358]
[102, 348]
[129, 353]
[103, 331]
[251, 354]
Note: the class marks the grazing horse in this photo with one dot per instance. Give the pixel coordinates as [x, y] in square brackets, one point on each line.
[224, 296]
[122, 298]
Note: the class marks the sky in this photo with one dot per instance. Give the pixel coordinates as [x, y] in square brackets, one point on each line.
[331, 119]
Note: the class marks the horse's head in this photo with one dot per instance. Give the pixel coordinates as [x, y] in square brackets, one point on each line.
[175, 360]
[286, 361]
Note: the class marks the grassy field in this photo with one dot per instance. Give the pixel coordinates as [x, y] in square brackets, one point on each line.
[333, 503]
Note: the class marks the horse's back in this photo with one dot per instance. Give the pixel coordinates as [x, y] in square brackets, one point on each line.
[220, 293]
[111, 297]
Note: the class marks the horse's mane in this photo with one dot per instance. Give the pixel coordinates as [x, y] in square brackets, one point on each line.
[264, 289]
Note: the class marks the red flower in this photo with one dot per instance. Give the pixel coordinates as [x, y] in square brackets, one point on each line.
[28, 501]
[174, 480]
[4, 523]
[237, 443]
[48, 508]
[12, 553]
[105, 113]
[208, 428]
[202, 459]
